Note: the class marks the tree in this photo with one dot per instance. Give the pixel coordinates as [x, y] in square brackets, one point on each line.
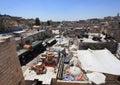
[2, 25]
[37, 21]
[30, 24]
[49, 22]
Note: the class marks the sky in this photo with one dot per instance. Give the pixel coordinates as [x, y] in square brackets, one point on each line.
[59, 10]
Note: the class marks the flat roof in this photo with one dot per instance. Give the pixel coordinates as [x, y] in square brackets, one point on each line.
[90, 40]
[45, 78]
[21, 51]
[4, 38]
[27, 34]
[33, 33]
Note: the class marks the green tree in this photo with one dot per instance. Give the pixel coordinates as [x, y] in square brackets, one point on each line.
[2, 25]
[30, 24]
[37, 21]
[93, 47]
[49, 22]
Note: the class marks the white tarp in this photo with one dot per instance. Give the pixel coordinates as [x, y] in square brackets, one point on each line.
[97, 78]
[100, 61]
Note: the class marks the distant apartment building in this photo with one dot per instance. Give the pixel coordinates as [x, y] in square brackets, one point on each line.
[10, 69]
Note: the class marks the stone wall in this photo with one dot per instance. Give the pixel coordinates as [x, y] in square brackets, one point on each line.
[116, 33]
[60, 82]
[10, 69]
[38, 36]
[110, 45]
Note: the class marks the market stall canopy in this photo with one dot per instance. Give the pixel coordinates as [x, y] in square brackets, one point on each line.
[100, 61]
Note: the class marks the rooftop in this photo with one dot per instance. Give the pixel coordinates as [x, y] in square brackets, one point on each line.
[3, 38]
[75, 62]
[90, 40]
[46, 78]
[27, 33]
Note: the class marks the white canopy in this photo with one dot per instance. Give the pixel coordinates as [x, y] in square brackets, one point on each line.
[100, 61]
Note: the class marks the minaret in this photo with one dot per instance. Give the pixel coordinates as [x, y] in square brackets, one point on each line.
[117, 14]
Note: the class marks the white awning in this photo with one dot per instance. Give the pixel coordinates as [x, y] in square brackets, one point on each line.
[100, 61]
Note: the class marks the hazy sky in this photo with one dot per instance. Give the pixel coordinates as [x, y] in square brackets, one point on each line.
[60, 9]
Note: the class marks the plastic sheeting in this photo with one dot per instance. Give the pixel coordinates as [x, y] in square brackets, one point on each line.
[97, 78]
[100, 61]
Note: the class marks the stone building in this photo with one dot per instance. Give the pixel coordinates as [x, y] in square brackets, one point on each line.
[95, 29]
[29, 37]
[97, 41]
[10, 69]
[118, 51]
[115, 32]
